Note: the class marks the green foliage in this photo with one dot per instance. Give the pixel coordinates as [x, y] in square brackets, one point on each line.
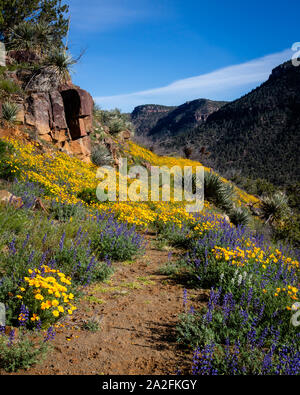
[82, 267]
[9, 111]
[218, 192]
[92, 325]
[30, 36]
[88, 195]
[288, 231]
[101, 155]
[22, 353]
[9, 87]
[174, 236]
[50, 12]
[63, 211]
[61, 62]
[239, 216]
[116, 242]
[7, 169]
[114, 120]
[274, 208]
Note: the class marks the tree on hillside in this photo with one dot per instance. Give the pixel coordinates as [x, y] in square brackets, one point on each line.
[51, 12]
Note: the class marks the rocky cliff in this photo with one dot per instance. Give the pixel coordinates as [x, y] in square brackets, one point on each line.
[61, 114]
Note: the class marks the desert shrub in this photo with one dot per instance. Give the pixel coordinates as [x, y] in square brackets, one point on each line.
[61, 62]
[9, 111]
[175, 236]
[274, 208]
[9, 87]
[218, 192]
[288, 231]
[101, 155]
[92, 325]
[21, 353]
[239, 216]
[114, 120]
[64, 211]
[88, 195]
[116, 241]
[78, 263]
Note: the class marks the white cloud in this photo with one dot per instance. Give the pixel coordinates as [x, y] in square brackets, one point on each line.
[221, 84]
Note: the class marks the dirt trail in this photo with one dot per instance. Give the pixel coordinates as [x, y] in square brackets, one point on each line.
[137, 311]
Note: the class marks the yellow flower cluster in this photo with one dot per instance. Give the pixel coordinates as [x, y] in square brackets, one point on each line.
[208, 225]
[64, 177]
[291, 291]
[49, 287]
[145, 155]
[240, 256]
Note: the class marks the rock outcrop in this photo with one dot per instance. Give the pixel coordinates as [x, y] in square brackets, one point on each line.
[8, 198]
[63, 117]
[55, 113]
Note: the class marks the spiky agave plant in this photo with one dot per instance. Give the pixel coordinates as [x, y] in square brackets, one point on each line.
[218, 192]
[61, 62]
[274, 208]
[101, 155]
[239, 216]
[22, 36]
[44, 36]
[9, 111]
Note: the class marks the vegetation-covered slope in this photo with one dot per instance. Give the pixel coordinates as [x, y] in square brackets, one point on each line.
[259, 134]
[160, 122]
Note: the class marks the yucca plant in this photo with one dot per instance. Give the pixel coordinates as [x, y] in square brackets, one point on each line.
[239, 216]
[274, 208]
[216, 191]
[31, 36]
[61, 62]
[101, 155]
[116, 125]
[44, 36]
[22, 36]
[9, 111]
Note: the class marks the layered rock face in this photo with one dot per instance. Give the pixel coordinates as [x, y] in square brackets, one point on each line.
[58, 114]
[62, 117]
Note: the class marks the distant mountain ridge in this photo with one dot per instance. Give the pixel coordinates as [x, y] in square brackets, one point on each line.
[159, 122]
[257, 135]
[146, 117]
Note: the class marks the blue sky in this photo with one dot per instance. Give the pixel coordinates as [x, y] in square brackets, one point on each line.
[171, 51]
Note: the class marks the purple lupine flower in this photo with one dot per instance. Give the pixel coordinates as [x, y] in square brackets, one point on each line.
[11, 338]
[26, 241]
[61, 243]
[23, 316]
[44, 238]
[50, 334]
[185, 298]
[12, 247]
[203, 361]
[192, 310]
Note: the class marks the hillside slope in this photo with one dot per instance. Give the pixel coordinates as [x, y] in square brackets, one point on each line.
[257, 134]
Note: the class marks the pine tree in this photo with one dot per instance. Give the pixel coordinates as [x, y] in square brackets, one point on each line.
[52, 12]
